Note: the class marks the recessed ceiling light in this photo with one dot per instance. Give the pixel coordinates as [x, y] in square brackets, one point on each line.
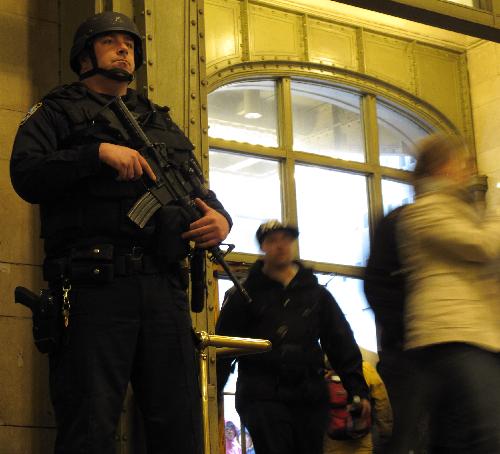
[252, 115]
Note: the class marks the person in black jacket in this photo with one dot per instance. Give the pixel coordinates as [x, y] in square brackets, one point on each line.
[124, 313]
[281, 395]
[385, 291]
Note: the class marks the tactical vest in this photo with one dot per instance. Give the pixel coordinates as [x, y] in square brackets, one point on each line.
[97, 207]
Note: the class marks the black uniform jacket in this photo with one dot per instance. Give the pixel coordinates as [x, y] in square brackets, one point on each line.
[55, 163]
[385, 282]
[296, 319]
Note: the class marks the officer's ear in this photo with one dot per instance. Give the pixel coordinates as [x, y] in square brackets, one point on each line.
[85, 62]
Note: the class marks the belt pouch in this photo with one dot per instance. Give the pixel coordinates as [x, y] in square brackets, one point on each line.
[92, 264]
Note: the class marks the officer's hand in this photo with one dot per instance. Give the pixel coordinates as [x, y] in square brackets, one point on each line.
[209, 230]
[129, 163]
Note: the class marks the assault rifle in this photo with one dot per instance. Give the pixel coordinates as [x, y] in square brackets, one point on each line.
[176, 183]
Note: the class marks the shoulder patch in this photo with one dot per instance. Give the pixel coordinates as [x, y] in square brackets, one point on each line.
[31, 112]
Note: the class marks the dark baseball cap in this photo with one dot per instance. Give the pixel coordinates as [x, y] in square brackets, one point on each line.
[274, 225]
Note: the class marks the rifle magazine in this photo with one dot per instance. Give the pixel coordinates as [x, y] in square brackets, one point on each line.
[143, 209]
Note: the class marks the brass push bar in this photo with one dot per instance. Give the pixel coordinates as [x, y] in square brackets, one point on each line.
[243, 344]
[227, 346]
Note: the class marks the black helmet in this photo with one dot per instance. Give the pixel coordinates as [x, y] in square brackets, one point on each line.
[273, 226]
[98, 24]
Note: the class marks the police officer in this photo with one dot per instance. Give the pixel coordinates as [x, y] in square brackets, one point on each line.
[124, 312]
[281, 395]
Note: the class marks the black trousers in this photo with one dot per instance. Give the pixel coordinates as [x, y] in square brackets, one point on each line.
[138, 329]
[460, 389]
[401, 376]
[285, 428]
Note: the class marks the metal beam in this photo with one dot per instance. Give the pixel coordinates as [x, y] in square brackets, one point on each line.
[479, 23]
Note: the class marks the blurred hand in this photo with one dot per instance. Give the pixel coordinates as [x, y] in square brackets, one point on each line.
[365, 408]
[209, 230]
[129, 163]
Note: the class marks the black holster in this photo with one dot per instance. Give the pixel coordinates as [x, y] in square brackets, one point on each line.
[46, 322]
[45, 310]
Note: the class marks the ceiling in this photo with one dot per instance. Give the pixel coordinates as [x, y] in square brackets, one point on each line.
[362, 17]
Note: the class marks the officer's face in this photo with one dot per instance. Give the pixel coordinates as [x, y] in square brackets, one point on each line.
[278, 248]
[115, 50]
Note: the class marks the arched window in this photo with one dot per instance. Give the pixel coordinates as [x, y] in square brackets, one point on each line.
[330, 158]
[305, 151]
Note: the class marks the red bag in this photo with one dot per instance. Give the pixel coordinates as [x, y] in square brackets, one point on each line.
[342, 423]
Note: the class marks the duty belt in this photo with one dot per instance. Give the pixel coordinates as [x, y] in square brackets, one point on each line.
[101, 263]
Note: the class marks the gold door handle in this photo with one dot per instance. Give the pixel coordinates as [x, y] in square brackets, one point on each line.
[226, 346]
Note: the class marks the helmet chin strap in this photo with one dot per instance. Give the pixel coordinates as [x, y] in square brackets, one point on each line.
[117, 74]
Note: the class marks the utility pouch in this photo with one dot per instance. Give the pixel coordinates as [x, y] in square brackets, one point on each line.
[92, 264]
[45, 314]
[82, 272]
[94, 252]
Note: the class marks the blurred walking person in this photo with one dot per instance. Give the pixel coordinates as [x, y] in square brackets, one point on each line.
[452, 308]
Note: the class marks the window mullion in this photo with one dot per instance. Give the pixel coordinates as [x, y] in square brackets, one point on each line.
[242, 147]
[286, 143]
[374, 182]
[285, 114]
[370, 128]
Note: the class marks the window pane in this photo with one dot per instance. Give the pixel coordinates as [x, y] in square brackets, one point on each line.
[224, 286]
[395, 194]
[250, 190]
[463, 2]
[350, 296]
[333, 215]
[231, 381]
[244, 112]
[398, 134]
[231, 422]
[327, 121]
[230, 387]
[478, 4]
